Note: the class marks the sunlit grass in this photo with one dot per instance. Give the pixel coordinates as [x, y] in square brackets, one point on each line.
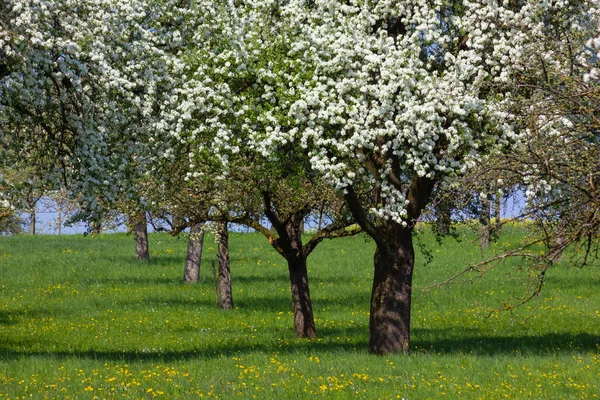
[80, 318]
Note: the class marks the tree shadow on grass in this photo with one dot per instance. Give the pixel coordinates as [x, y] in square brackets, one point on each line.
[283, 302]
[335, 339]
[571, 282]
[473, 341]
[125, 281]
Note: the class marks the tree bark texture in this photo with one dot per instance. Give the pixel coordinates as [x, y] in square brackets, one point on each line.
[394, 260]
[95, 227]
[59, 219]
[193, 256]
[225, 288]
[443, 217]
[304, 322]
[391, 293]
[557, 250]
[484, 219]
[497, 212]
[141, 237]
[32, 219]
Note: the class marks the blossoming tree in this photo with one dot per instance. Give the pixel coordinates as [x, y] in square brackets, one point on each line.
[81, 79]
[402, 95]
[237, 83]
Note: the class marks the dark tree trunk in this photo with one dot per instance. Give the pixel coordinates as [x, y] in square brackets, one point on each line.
[389, 324]
[304, 322]
[484, 219]
[141, 237]
[289, 245]
[497, 209]
[194, 254]
[59, 219]
[391, 294]
[557, 249]
[225, 289]
[32, 222]
[95, 227]
[443, 217]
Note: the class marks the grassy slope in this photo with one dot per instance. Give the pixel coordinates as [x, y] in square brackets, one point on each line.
[80, 318]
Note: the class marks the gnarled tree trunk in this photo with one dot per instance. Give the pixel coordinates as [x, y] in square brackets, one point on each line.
[443, 216]
[484, 219]
[394, 262]
[497, 212]
[225, 289]
[289, 245]
[391, 293]
[304, 322]
[193, 256]
[32, 219]
[141, 237]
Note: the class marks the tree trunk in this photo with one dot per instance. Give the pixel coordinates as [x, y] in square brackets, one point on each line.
[95, 227]
[225, 289]
[391, 294]
[141, 237]
[194, 254]
[32, 222]
[443, 217]
[60, 219]
[484, 219]
[304, 322]
[497, 209]
[289, 245]
[557, 249]
[394, 260]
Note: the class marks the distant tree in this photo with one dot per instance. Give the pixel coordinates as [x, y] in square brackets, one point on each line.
[141, 236]
[193, 258]
[225, 283]
[556, 162]
[25, 186]
[10, 223]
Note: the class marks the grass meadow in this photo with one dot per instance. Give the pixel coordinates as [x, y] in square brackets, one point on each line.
[80, 318]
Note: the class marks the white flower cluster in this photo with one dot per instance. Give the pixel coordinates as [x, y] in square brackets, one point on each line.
[594, 44]
[87, 76]
[5, 205]
[403, 89]
[375, 93]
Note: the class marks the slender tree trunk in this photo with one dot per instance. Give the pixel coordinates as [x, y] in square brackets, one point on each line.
[289, 245]
[391, 294]
[304, 322]
[193, 257]
[32, 221]
[141, 237]
[60, 219]
[443, 217]
[225, 289]
[95, 227]
[556, 250]
[497, 209]
[484, 219]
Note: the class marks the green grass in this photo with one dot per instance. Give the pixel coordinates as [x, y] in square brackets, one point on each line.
[80, 318]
